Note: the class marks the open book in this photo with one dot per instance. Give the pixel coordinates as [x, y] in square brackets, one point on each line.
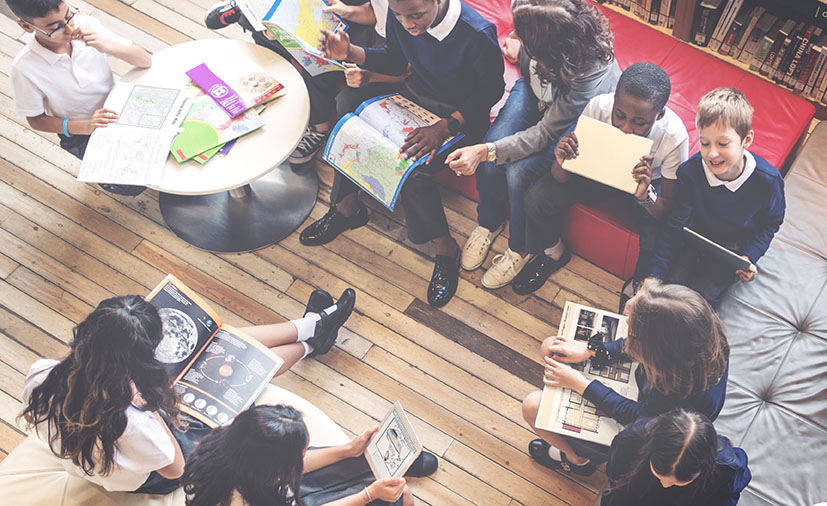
[297, 26]
[566, 412]
[606, 154]
[394, 447]
[365, 146]
[217, 370]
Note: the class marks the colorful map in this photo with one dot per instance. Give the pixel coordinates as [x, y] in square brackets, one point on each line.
[147, 106]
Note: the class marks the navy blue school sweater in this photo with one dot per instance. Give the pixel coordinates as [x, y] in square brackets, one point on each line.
[748, 217]
[652, 403]
[724, 489]
[464, 69]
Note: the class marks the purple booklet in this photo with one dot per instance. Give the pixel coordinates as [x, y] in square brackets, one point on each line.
[237, 84]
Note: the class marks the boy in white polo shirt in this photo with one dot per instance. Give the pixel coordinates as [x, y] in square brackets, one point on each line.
[61, 78]
[638, 107]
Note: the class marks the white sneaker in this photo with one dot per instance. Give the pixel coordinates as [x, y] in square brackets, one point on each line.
[504, 268]
[477, 246]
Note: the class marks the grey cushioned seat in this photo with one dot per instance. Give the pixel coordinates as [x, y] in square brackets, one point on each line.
[776, 406]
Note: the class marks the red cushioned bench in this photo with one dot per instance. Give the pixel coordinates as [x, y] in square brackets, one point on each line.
[597, 231]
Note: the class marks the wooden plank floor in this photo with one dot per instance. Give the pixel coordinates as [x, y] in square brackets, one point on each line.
[460, 371]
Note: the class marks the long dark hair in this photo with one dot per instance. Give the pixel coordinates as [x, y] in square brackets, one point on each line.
[82, 403]
[260, 455]
[678, 338]
[679, 443]
[565, 37]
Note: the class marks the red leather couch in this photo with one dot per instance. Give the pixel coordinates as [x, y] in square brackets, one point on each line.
[597, 231]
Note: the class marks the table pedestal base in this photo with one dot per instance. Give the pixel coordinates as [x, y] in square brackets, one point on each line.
[246, 218]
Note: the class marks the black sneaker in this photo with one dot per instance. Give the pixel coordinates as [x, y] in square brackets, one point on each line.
[222, 14]
[538, 449]
[310, 144]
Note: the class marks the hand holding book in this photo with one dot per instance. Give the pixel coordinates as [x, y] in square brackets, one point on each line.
[425, 141]
[558, 374]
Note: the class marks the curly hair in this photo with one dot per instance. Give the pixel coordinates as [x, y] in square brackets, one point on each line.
[565, 37]
[680, 443]
[260, 455]
[677, 337]
[82, 403]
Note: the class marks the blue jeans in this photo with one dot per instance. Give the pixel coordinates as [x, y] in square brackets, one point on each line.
[502, 187]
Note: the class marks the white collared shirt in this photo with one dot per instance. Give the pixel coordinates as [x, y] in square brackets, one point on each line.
[448, 23]
[749, 168]
[60, 85]
[380, 10]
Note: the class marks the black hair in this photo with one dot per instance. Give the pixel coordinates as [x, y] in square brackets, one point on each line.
[260, 454]
[679, 443]
[646, 81]
[82, 402]
[30, 9]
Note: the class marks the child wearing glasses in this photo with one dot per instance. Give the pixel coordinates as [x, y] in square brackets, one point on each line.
[61, 78]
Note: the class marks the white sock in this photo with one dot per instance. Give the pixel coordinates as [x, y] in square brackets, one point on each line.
[330, 310]
[306, 327]
[555, 454]
[307, 349]
[556, 251]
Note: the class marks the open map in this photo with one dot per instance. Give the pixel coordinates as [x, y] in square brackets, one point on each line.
[566, 412]
[297, 26]
[147, 106]
[365, 146]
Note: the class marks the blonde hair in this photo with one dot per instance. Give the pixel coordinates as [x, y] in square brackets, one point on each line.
[677, 337]
[729, 106]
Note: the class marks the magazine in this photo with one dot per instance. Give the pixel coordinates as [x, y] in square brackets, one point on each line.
[236, 84]
[394, 447]
[134, 149]
[566, 412]
[365, 146]
[217, 370]
[297, 26]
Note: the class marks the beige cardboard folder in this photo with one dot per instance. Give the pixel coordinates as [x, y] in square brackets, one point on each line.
[607, 155]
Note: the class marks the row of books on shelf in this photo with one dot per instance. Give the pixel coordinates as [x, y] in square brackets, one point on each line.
[790, 52]
[655, 12]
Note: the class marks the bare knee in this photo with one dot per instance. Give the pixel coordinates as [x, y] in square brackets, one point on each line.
[531, 404]
[407, 497]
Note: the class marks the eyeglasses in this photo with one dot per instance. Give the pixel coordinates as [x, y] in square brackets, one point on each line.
[71, 12]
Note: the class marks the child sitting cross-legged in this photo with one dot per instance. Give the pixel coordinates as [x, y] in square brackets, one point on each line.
[725, 193]
[61, 78]
[638, 107]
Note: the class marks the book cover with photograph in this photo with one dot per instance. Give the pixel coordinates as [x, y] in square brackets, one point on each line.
[565, 411]
[217, 370]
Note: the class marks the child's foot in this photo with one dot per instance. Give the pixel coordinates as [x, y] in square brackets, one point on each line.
[540, 452]
[477, 246]
[222, 14]
[327, 328]
[311, 143]
[536, 272]
[503, 269]
[424, 465]
[318, 301]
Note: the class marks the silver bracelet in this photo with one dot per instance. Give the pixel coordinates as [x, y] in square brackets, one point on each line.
[650, 199]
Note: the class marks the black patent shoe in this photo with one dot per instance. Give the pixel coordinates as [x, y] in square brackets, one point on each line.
[424, 465]
[537, 271]
[538, 449]
[444, 280]
[327, 328]
[329, 226]
[319, 301]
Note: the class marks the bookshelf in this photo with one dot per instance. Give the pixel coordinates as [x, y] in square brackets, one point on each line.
[682, 30]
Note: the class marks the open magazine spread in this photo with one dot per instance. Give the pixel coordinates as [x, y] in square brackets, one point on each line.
[217, 370]
[365, 146]
[566, 412]
[134, 149]
[297, 26]
[394, 447]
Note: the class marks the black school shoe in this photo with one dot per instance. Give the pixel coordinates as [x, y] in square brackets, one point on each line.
[444, 279]
[424, 465]
[537, 271]
[327, 328]
[222, 14]
[329, 226]
[319, 301]
[128, 190]
[538, 449]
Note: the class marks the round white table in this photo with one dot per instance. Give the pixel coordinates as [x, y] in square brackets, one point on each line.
[250, 198]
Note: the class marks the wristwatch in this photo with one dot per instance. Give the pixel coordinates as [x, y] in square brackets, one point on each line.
[453, 125]
[492, 151]
[650, 199]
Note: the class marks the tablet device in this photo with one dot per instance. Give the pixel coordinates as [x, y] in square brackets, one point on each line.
[723, 255]
[606, 154]
[394, 447]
